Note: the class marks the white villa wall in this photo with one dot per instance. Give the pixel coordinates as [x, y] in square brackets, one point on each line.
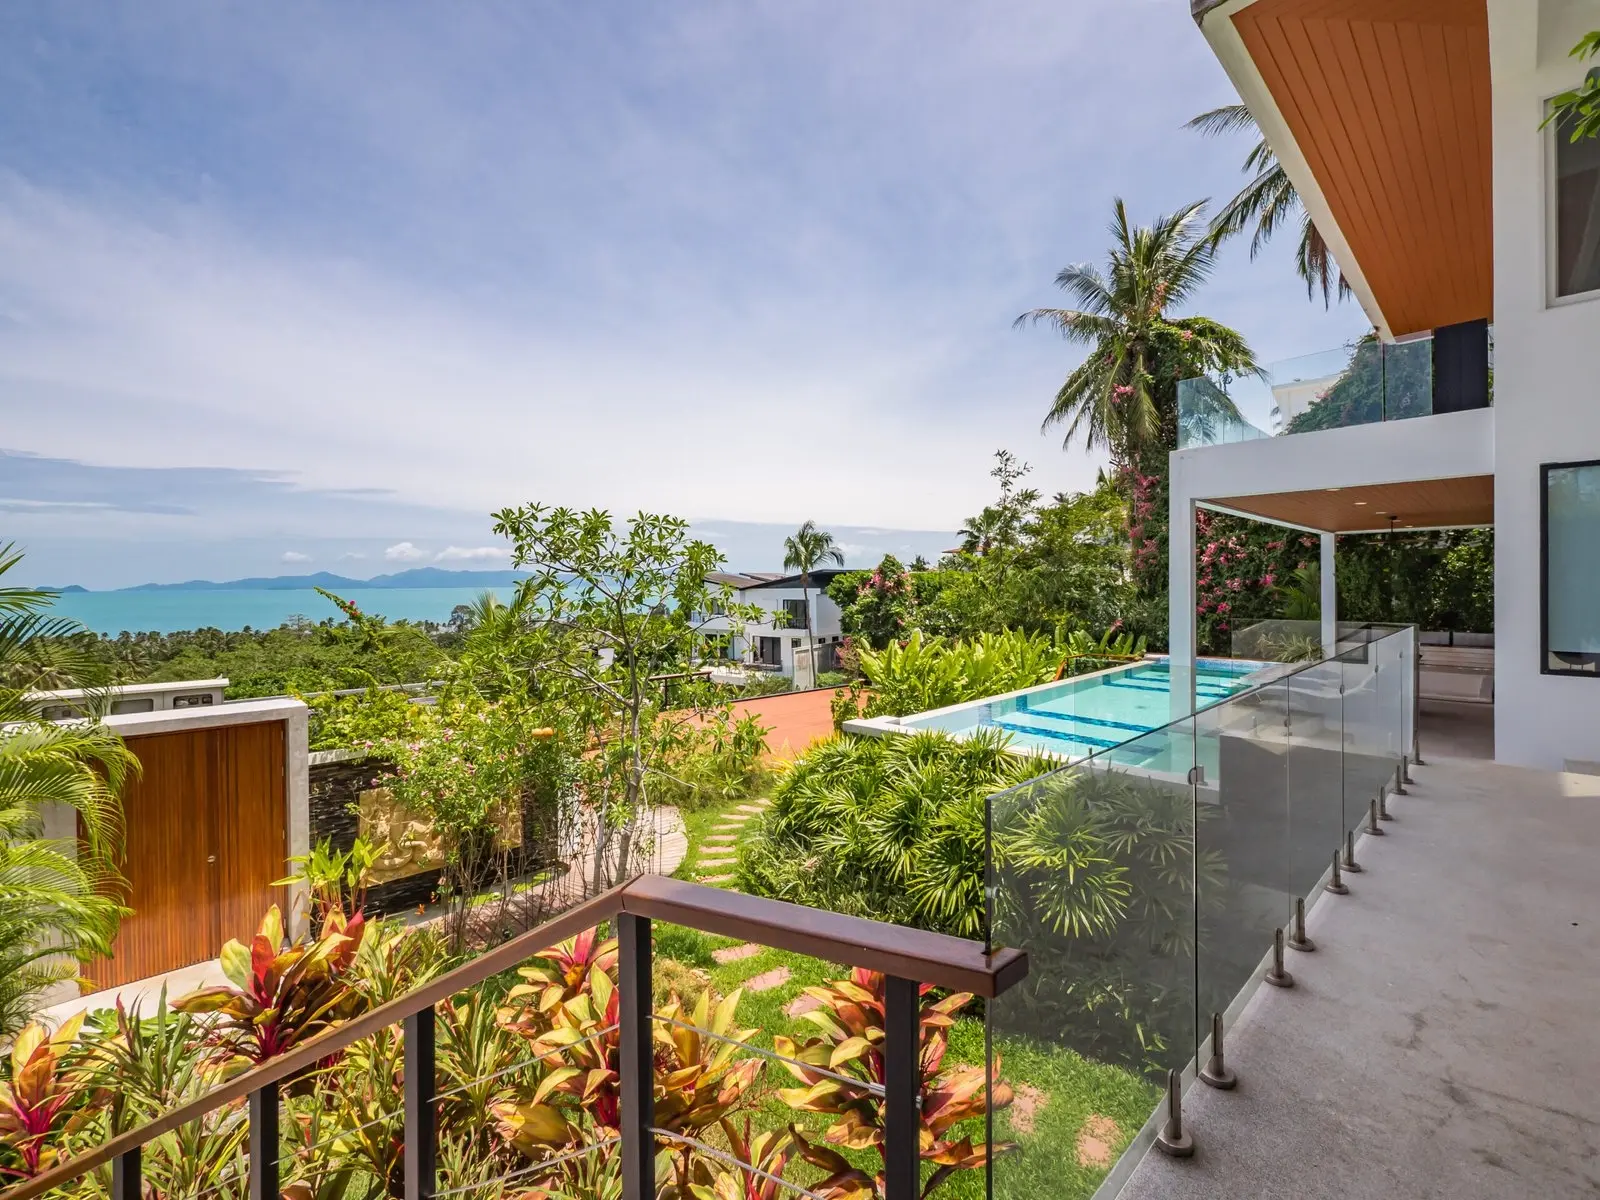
[1547, 376]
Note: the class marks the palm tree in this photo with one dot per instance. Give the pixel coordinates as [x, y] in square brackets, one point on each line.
[1269, 200]
[54, 901]
[983, 532]
[803, 551]
[1124, 394]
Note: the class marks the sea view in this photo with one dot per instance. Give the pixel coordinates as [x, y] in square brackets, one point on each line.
[170, 611]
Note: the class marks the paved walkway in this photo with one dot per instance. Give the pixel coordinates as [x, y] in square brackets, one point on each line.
[1442, 1041]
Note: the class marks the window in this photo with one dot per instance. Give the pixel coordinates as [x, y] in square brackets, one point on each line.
[1574, 214]
[1570, 545]
[794, 612]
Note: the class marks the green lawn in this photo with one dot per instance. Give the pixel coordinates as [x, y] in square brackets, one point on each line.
[1073, 1116]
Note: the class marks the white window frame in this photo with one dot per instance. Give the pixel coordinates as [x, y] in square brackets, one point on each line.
[1552, 245]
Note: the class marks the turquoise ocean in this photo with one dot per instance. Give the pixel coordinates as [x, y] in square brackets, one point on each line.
[169, 612]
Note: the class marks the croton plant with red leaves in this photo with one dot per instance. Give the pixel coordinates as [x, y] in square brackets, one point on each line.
[280, 995]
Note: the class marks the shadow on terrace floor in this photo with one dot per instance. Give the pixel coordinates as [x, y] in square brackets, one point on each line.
[1451, 729]
[1441, 1040]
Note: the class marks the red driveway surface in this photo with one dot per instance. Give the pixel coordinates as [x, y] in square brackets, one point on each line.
[794, 719]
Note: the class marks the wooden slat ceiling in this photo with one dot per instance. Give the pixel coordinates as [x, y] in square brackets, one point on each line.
[1419, 504]
[1389, 102]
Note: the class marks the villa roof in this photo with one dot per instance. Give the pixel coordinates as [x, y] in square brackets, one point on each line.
[747, 580]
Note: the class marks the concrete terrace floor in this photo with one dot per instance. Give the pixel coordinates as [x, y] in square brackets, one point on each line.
[1442, 1040]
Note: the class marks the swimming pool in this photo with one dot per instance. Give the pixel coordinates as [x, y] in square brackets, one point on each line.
[1094, 714]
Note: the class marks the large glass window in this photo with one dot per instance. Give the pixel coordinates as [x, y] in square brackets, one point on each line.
[1576, 258]
[1571, 585]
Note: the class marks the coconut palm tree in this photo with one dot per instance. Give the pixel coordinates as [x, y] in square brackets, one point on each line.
[803, 551]
[55, 895]
[983, 532]
[1268, 201]
[1124, 395]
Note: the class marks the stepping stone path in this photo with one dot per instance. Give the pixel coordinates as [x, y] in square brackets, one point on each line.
[722, 837]
[730, 954]
[801, 1005]
[717, 879]
[768, 980]
[752, 808]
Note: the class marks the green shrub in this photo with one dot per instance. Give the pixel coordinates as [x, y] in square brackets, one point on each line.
[889, 828]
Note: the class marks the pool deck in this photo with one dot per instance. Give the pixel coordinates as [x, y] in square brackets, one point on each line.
[1440, 1043]
[794, 720]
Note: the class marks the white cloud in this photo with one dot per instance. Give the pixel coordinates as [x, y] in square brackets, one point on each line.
[472, 554]
[403, 552]
[294, 556]
[350, 555]
[851, 549]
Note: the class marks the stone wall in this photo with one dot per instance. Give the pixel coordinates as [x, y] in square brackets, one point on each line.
[338, 779]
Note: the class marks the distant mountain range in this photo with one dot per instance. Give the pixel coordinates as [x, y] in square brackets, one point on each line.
[417, 577]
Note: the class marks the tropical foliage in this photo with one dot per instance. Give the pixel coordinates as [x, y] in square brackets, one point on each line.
[1096, 868]
[1268, 202]
[57, 893]
[528, 1082]
[804, 551]
[1577, 112]
[886, 828]
[1123, 397]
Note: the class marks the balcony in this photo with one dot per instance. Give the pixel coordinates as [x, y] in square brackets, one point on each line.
[1362, 384]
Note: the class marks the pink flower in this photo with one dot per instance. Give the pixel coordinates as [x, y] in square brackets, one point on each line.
[1268, 580]
[1235, 584]
[1224, 607]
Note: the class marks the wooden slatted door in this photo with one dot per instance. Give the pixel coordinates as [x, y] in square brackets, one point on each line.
[204, 839]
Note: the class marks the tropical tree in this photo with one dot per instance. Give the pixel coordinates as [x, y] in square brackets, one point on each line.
[1123, 396]
[55, 901]
[803, 551]
[1269, 201]
[1577, 112]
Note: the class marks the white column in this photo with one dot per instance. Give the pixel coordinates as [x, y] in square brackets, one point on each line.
[1330, 599]
[1180, 601]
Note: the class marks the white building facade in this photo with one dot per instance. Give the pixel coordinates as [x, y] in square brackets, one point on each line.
[775, 640]
[1412, 134]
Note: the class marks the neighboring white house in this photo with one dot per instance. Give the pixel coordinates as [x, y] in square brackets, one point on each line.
[772, 642]
[1410, 129]
[134, 698]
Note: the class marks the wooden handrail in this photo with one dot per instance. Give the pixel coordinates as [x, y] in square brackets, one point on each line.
[935, 958]
[912, 954]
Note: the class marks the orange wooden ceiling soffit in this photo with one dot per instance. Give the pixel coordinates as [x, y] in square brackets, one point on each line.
[1389, 102]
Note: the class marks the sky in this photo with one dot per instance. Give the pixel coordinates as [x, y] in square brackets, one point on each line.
[284, 287]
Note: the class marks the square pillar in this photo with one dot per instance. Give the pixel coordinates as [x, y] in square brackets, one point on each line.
[1330, 598]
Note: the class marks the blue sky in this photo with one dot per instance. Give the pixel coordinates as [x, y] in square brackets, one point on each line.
[289, 284]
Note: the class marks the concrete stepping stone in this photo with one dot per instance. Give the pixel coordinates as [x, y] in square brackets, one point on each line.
[801, 1005]
[730, 954]
[717, 879]
[722, 837]
[749, 808]
[767, 980]
[710, 859]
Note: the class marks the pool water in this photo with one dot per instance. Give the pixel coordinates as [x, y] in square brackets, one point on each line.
[1098, 713]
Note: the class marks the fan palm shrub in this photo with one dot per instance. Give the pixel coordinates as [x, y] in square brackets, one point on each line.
[57, 902]
[889, 828]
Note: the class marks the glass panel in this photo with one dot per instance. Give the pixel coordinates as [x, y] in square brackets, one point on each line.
[1577, 201]
[1241, 835]
[1092, 870]
[1207, 416]
[1316, 774]
[1363, 735]
[1572, 569]
[1408, 379]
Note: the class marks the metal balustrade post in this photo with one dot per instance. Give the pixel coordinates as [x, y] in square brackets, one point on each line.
[264, 1143]
[127, 1175]
[902, 1122]
[421, 1120]
[637, 1063]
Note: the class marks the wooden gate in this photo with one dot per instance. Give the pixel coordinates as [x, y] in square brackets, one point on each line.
[205, 838]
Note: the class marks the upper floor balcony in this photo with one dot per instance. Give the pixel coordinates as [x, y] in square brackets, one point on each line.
[1366, 383]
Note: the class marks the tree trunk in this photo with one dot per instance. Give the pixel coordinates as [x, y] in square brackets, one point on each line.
[811, 642]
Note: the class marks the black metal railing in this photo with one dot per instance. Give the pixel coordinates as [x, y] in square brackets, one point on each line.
[906, 957]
